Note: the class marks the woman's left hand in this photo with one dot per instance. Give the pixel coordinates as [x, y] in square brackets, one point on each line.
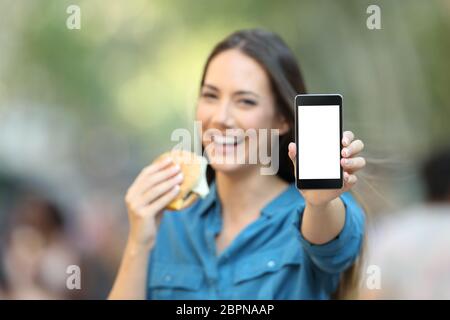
[351, 162]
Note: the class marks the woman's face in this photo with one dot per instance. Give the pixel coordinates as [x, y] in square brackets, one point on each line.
[236, 96]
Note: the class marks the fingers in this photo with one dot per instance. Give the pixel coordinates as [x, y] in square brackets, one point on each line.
[146, 202]
[292, 151]
[160, 176]
[347, 138]
[154, 193]
[154, 167]
[353, 164]
[349, 181]
[143, 184]
[163, 201]
[349, 162]
[354, 148]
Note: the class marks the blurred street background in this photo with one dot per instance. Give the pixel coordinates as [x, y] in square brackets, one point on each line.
[83, 111]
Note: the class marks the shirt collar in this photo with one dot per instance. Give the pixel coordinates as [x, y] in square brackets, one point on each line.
[290, 196]
[285, 199]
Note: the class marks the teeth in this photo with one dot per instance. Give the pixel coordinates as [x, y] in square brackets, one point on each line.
[226, 139]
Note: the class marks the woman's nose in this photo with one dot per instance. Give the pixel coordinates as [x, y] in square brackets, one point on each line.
[223, 114]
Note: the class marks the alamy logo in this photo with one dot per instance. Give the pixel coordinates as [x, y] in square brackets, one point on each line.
[73, 281]
[373, 21]
[234, 146]
[373, 281]
[73, 21]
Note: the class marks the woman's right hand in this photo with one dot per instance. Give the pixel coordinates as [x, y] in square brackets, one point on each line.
[154, 188]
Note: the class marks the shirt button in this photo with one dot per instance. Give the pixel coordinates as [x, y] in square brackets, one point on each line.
[271, 264]
[168, 278]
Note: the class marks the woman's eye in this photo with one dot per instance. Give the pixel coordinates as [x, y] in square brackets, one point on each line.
[209, 95]
[248, 102]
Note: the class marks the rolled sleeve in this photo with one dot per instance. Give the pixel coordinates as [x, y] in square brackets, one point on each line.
[338, 254]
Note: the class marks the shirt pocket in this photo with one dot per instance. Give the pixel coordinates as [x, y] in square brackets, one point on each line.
[175, 281]
[263, 275]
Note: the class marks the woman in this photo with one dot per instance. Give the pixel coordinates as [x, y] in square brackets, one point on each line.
[254, 236]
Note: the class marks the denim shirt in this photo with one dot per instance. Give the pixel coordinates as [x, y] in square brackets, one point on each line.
[269, 259]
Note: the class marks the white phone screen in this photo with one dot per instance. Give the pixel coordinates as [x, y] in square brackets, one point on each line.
[318, 142]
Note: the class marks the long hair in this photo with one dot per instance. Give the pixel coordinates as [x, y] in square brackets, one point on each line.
[286, 80]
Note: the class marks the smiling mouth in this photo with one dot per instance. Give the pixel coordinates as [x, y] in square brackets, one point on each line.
[227, 140]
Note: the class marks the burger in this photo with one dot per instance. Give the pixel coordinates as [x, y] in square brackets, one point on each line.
[194, 184]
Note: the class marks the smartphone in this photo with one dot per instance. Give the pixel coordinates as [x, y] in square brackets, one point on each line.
[318, 136]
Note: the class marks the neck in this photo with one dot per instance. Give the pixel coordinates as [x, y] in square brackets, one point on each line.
[245, 192]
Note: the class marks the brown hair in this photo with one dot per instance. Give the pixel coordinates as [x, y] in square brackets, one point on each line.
[282, 68]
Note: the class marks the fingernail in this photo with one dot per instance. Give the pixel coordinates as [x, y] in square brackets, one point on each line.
[345, 141]
[179, 177]
[345, 151]
[168, 160]
[348, 162]
[176, 167]
[176, 189]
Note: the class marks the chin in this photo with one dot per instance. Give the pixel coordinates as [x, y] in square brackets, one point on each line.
[228, 168]
[221, 164]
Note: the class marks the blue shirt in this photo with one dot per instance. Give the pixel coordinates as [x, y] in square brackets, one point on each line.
[269, 259]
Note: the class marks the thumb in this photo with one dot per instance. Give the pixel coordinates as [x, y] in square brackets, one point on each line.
[292, 151]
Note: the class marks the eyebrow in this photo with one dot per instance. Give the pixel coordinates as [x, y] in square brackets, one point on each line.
[244, 92]
[237, 93]
[210, 87]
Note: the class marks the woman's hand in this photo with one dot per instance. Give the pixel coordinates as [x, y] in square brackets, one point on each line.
[351, 162]
[154, 188]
